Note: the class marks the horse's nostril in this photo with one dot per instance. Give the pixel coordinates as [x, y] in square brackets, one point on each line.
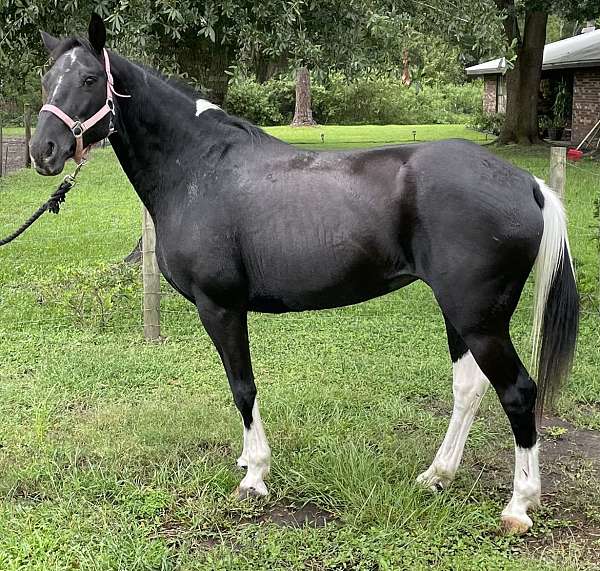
[50, 149]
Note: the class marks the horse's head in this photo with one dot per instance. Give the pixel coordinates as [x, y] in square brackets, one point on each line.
[76, 86]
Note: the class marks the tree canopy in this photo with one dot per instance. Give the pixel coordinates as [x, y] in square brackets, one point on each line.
[205, 41]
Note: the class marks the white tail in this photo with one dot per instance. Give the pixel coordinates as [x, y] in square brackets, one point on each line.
[549, 258]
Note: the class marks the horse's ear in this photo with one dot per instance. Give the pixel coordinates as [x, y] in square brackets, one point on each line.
[50, 42]
[97, 32]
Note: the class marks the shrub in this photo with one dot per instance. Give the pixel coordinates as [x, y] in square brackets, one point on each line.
[90, 297]
[487, 122]
[253, 101]
[366, 100]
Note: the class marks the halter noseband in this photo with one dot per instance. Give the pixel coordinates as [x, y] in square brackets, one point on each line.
[77, 127]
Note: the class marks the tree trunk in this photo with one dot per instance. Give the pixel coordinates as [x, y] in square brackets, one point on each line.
[206, 62]
[523, 84]
[303, 114]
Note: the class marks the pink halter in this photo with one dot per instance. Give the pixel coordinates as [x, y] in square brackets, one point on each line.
[78, 128]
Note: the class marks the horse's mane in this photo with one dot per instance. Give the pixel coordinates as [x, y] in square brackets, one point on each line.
[193, 94]
[177, 84]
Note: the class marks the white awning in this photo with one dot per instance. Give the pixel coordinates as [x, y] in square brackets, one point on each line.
[578, 51]
[493, 66]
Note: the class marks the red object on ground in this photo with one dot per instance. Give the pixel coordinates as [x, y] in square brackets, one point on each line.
[574, 154]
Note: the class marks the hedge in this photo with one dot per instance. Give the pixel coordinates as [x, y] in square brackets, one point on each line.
[362, 101]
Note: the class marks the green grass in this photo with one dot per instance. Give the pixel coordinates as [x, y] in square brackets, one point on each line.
[341, 137]
[13, 131]
[119, 454]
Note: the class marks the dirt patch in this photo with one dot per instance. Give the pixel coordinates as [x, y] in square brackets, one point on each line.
[436, 406]
[176, 534]
[309, 515]
[13, 154]
[562, 439]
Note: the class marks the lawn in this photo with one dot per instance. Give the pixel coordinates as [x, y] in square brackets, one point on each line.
[340, 137]
[116, 453]
[13, 131]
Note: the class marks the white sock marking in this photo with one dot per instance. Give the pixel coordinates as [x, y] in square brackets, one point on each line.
[469, 386]
[202, 105]
[527, 485]
[256, 455]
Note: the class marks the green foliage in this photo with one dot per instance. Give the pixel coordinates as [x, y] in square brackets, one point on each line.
[269, 103]
[202, 41]
[364, 100]
[562, 104]
[487, 122]
[89, 297]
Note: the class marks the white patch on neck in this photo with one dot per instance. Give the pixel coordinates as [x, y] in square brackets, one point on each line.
[202, 105]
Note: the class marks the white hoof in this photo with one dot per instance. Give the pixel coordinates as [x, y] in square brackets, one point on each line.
[251, 488]
[433, 481]
[516, 524]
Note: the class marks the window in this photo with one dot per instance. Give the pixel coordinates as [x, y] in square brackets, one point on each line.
[500, 93]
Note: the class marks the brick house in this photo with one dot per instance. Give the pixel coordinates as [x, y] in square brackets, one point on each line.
[574, 61]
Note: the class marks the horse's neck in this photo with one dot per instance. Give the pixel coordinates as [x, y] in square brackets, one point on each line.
[152, 129]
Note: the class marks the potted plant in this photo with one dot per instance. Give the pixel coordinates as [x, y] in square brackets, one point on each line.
[556, 128]
[561, 110]
[545, 123]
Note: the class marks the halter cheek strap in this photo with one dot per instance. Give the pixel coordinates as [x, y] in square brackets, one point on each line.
[77, 127]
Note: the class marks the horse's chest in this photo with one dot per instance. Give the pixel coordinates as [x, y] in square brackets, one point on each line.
[198, 261]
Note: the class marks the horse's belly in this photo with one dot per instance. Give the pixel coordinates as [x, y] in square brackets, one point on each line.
[281, 302]
[324, 280]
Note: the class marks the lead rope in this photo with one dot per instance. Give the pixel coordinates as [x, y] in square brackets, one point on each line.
[52, 204]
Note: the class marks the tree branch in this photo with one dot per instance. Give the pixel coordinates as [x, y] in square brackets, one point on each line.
[510, 22]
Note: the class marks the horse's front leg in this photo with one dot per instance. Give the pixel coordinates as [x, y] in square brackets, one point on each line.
[228, 330]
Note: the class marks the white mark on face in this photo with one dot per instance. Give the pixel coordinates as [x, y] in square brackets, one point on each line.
[58, 82]
[73, 56]
[202, 105]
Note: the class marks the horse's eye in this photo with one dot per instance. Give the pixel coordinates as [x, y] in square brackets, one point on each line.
[89, 81]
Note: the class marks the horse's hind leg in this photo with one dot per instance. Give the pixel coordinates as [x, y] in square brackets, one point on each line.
[495, 354]
[229, 332]
[469, 385]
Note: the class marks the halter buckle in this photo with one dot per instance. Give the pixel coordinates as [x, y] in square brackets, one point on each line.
[111, 105]
[77, 130]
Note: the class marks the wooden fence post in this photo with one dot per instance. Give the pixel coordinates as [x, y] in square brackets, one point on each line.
[1, 145]
[558, 168]
[151, 278]
[27, 121]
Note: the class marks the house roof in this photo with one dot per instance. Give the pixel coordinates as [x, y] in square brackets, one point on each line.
[578, 51]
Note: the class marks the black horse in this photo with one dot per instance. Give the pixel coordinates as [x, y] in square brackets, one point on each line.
[245, 222]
